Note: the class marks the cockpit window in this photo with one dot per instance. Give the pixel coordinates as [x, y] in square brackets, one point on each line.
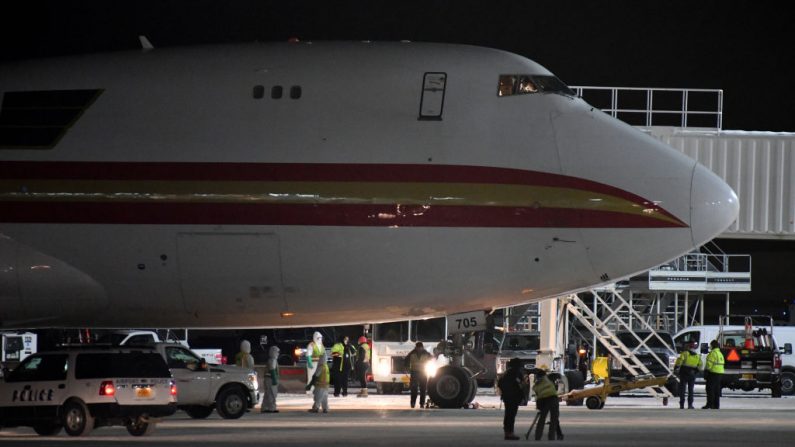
[519, 84]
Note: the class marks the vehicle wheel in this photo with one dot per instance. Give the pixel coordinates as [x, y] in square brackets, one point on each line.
[77, 421]
[594, 403]
[574, 381]
[138, 426]
[787, 383]
[50, 429]
[198, 411]
[450, 387]
[231, 403]
[747, 386]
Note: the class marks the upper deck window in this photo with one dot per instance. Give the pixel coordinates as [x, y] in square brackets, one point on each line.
[518, 84]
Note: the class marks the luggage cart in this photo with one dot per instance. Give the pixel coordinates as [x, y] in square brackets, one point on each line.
[595, 397]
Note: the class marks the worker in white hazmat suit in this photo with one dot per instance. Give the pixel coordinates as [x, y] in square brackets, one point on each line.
[244, 358]
[271, 383]
[314, 350]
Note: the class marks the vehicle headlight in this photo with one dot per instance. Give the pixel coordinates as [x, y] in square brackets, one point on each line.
[430, 368]
[252, 381]
[383, 367]
[500, 366]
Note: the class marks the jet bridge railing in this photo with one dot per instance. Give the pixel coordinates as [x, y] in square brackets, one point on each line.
[647, 107]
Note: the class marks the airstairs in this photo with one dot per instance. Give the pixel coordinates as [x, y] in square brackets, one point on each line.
[604, 330]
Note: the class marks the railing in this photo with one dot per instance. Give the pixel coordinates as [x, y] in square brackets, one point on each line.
[709, 262]
[701, 108]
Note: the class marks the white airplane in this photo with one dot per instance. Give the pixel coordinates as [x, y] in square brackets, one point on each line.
[268, 185]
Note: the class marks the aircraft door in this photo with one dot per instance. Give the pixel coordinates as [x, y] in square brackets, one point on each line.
[225, 274]
[432, 98]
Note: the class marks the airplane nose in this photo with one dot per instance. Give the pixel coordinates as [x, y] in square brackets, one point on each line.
[713, 205]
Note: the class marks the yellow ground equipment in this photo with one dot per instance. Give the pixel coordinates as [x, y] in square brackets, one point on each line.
[595, 397]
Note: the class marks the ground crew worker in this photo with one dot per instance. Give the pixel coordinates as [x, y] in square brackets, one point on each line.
[547, 403]
[342, 355]
[321, 381]
[270, 383]
[687, 365]
[244, 358]
[713, 371]
[416, 361]
[512, 394]
[363, 364]
[313, 351]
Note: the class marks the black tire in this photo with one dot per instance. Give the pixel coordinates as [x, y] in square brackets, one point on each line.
[450, 387]
[574, 381]
[48, 429]
[787, 381]
[138, 426]
[76, 419]
[594, 403]
[198, 411]
[231, 403]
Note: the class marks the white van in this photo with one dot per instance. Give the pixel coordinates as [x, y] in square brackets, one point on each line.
[784, 337]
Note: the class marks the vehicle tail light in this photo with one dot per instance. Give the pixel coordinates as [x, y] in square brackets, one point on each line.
[106, 388]
[777, 362]
[173, 390]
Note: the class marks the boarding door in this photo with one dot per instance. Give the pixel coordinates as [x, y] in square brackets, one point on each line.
[432, 99]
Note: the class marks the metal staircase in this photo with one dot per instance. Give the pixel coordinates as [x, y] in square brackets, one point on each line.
[604, 330]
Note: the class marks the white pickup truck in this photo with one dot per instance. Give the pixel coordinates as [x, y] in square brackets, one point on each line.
[201, 387]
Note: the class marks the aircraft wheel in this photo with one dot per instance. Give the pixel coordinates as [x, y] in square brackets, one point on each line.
[473, 391]
[450, 388]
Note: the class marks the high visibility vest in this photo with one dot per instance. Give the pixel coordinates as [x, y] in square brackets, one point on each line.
[417, 360]
[366, 349]
[317, 351]
[338, 349]
[689, 359]
[545, 388]
[715, 361]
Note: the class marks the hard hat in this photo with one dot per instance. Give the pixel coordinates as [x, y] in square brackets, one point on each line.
[362, 339]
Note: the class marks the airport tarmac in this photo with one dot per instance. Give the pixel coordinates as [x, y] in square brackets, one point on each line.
[745, 419]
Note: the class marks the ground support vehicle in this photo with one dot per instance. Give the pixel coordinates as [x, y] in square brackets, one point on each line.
[78, 390]
[752, 360]
[229, 389]
[595, 397]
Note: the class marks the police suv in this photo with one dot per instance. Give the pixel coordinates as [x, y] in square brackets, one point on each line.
[80, 389]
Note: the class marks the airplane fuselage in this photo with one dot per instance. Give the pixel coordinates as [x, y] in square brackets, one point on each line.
[341, 183]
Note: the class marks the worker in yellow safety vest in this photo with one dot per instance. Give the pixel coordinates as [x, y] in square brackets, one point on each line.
[342, 354]
[547, 403]
[686, 367]
[713, 371]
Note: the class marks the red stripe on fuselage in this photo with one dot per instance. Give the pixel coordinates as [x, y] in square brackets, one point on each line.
[320, 214]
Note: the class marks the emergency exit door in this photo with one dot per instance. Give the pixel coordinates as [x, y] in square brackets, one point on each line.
[432, 99]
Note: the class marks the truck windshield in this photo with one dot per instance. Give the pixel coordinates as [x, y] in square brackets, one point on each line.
[432, 329]
[521, 342]
[398, 331]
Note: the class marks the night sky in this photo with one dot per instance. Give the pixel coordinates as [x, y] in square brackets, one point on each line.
[742, 47]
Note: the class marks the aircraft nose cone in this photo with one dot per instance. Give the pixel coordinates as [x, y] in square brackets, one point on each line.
[713, 205]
